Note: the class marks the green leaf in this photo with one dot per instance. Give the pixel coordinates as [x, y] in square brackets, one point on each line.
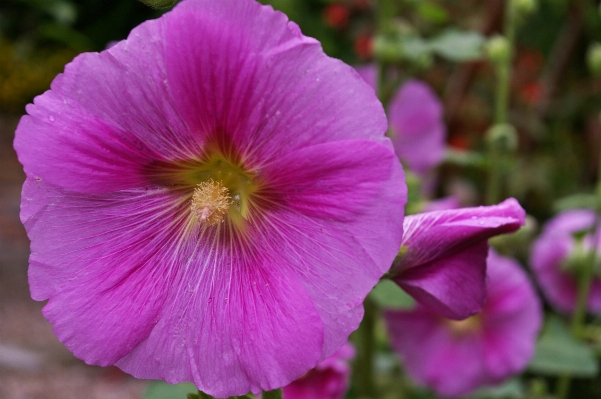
[512, 389]
[433, 13]
[159, 3]
[576, 201]
[389, 295]
[458, 46]
[162, 390]
[558, 352]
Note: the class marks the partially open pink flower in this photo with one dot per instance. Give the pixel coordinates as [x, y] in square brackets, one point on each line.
[329, 380]
[416, 123]
[209, 200]
[456, 357]
[550, 259]
[443, 261]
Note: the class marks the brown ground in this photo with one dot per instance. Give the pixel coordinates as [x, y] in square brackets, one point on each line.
[33, 363]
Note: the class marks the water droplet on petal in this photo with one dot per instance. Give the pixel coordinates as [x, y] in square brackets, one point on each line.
[51, 118]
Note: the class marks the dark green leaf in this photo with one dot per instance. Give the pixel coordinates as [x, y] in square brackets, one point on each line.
[159, 3]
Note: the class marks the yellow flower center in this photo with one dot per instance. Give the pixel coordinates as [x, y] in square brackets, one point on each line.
[463, 327]
[210, 202]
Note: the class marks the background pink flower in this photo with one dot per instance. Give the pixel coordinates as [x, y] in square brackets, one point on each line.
[553, 247]
[456, 357]
[416, 124]
[209, 200]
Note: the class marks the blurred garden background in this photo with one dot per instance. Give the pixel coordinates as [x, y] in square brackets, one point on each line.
[549, 161]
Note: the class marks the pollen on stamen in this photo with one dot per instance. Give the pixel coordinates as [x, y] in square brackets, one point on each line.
[210, 202]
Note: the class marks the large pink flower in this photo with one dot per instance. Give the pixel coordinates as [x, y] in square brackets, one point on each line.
[455, 357]
[209, 200]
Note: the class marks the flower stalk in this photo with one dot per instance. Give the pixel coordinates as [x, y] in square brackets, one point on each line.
[503, 61]
[585, 282]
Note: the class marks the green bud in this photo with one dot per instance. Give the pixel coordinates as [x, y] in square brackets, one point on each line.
[502, 137]
[387, 50]
[497, 49]
[593, 58]
[524, 7]
[159, 3]
[578, 260]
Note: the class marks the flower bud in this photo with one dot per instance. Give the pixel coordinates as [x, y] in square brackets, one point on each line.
[502, 137]
[593, 58]
[497, 49]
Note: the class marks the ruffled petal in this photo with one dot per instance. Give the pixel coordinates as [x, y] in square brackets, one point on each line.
[104, 280]
[107, 119]
[222, 65]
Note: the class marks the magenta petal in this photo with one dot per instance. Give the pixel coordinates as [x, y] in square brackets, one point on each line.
[417, 125]
[455, 358]
[455, 239]
[268, 110]
[105, 119]
[454, 287]
[75, 269]
[336, 202]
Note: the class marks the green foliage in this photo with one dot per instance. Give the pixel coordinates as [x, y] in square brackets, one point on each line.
[162, 390]
[458, 46]
[558, 352]
[388, 294]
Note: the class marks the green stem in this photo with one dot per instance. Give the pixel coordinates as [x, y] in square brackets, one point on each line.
[504, 66]
[497, 157]
[365, 360]
[275, 394]
[585, 282]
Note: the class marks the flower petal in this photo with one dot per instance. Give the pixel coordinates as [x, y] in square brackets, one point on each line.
[102, 279]
[337, 205]
[453, 239]
[221, 63]
[106, 119]
[417, 124]
[454, 287]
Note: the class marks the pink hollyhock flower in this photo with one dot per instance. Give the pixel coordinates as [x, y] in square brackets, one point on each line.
[416, 123]
[550, 257]
[329, 380]
[443, 261]
[456, 357]
[209, 200]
